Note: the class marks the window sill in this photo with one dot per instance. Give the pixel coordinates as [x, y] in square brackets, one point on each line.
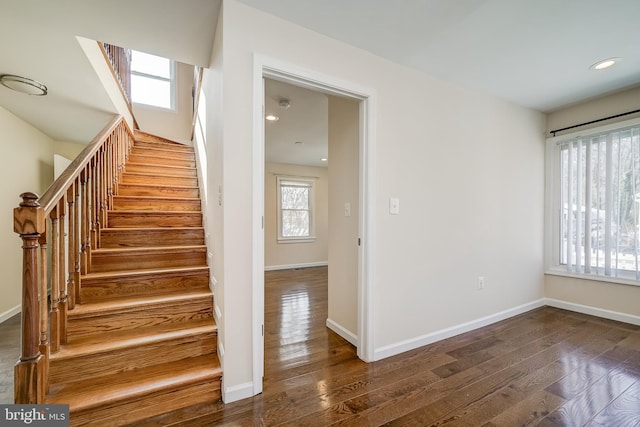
[592, 277]
[302, 240]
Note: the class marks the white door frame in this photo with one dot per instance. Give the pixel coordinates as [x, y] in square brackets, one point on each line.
[275, 69]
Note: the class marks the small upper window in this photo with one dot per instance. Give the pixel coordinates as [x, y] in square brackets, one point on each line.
[152, 80]
[295, 210]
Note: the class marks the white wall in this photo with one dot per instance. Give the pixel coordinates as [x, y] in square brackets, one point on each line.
[228, 322]
[176, 124]
[27, 165]
[467, 168]
[343, 230]
[289, 255]
[599, 295]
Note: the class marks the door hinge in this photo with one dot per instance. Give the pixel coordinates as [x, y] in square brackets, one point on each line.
[359, 241]
[263, 330]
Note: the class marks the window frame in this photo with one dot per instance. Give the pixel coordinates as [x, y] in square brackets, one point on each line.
[553, 208]
[171, 80]
[310, 184]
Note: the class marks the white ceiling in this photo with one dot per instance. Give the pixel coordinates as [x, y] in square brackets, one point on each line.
[300, 136]
[535, 53]
[39, 41]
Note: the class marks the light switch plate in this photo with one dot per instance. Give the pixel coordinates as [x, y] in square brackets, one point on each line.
[394, 206]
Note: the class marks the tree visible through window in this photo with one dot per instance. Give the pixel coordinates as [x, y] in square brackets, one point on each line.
[152, 80]
[295, 209]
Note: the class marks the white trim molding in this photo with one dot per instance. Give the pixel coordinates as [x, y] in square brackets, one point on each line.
[594, 311]
[413, 343]
[291, 266]
[237, 392]
[10, 313]
[343, 332]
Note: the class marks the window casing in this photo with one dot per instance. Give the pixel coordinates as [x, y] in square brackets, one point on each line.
[295, 203]
[152, 80]
[593, 204]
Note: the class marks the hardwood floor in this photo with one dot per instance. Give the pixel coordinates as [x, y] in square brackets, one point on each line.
[9, 354]
[547, 367]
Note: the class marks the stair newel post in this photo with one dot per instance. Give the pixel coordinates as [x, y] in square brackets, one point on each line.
[71, 279]
[62, 269]
[44, 306]
[55, 281]
[77, 241]
[28, 222]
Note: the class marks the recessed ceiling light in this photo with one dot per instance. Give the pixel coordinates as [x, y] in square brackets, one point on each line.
[604, 64]
[272, 118]
[324, 159]
[23, 84]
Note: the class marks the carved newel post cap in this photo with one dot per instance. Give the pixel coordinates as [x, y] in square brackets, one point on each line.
[28, 218]
[29, 200]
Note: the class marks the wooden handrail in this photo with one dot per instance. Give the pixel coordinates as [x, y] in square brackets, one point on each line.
[63, 225]
[55, 191]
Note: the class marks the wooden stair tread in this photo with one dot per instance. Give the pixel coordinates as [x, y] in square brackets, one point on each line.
[186, 187]
[148, 249]
[109, 341]
[133, 229]
[170, 167]
[137, 211]
[154, 175]
[143, 272]
[112, 389]
[121, 304]
[151, 198]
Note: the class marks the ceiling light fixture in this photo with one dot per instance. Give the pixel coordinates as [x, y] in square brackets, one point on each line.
[272, 118]
[604, 64]
[324, 159]
[23, 84]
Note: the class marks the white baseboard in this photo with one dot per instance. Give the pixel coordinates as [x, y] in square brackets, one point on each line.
[593, 311]
[411, 344]
[290, 266]
[236, 392]
[10, 313]
[344, 333]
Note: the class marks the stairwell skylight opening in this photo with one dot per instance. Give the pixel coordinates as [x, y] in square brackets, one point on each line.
[152, 80]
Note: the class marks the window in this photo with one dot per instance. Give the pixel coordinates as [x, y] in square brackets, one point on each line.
[295, 210]
[152, 80]
[594, 200]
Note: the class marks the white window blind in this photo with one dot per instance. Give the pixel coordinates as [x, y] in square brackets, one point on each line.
[599, 203]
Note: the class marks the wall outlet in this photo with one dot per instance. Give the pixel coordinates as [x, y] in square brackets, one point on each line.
[480, 283]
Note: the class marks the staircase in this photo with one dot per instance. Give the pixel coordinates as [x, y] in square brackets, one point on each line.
[141, 340]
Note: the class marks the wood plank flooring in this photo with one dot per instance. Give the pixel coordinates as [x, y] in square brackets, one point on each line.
[547, 367]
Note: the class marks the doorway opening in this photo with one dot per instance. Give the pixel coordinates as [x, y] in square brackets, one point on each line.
[361, 208]
[311, 230]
